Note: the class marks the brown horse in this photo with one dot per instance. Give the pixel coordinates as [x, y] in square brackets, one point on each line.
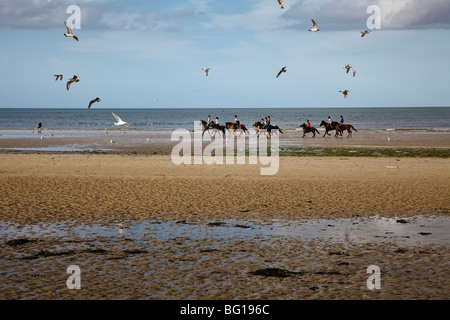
[307, 129]
[212, 126]
[332, 126]
[258, 125]
[230, 125]
[347, 127]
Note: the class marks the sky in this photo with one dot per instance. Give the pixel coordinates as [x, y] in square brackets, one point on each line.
[149, 54]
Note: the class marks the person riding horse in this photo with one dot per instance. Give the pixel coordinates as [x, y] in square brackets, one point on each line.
[307, 129]
[330, 126]
[266, 126]
[236, 122]
[214, 125]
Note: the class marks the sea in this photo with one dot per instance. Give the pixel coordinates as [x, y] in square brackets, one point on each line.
[398, 118]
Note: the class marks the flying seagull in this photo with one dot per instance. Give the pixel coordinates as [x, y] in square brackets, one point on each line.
[314, 27]
[71, 80]
[354, 72]
[347, 67]
[345, 93]
[281, 71]
[69, 32]
[93, 101]
[119, 122]
[206, 70]
[58, 76]
[363, 33]
[281, 3]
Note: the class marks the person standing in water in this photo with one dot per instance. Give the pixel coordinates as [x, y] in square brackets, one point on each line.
[39, 126]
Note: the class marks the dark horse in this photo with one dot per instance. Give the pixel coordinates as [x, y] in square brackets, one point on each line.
[307, 129]
[212, 126]
[231, 126]
[332, 126]
[258, 125]
[347, 127]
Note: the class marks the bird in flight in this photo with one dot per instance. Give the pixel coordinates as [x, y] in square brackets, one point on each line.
[69, 32]
[345, 93]
[281, 3]
[206, 70]
[120, 122]
[354, 72]
[281, 71]
[347, 67]
[314, 27]
[58, 76]
[363, 33]
[93, 101]
[71, 80]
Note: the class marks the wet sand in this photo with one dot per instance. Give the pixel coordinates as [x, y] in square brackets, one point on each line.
[68, 190]
[142, 142]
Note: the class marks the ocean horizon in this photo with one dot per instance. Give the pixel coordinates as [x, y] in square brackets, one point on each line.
[387, 118]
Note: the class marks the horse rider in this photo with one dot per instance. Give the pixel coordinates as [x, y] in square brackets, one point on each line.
[217, 121]
[236, 122]
[329, 121]
[265, 123]
[308, 124]
[209, 121]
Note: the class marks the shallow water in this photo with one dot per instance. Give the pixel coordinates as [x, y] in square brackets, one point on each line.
[412, 231]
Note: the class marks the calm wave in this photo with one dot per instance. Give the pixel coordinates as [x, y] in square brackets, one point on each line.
[434, 118]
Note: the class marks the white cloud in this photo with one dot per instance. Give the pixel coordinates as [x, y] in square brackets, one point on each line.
[253, 15]
[95, 14]
[351, 14]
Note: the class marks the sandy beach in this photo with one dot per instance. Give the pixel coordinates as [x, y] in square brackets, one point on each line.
[209, 231]
[177, 151]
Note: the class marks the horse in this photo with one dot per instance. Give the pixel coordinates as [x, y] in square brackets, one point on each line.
[333, 125]
[258, 125]
[347, 127]
[212, 126]
[230, 125]
[307, 129]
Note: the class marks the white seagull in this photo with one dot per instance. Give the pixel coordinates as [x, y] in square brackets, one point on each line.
[71, 80]
[345, 93]
[120, 122]
[69, 32]
[314, 27]
[363, 33]
[281, 3]
[206, 70]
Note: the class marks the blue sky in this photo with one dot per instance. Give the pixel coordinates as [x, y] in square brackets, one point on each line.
[146, 54]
